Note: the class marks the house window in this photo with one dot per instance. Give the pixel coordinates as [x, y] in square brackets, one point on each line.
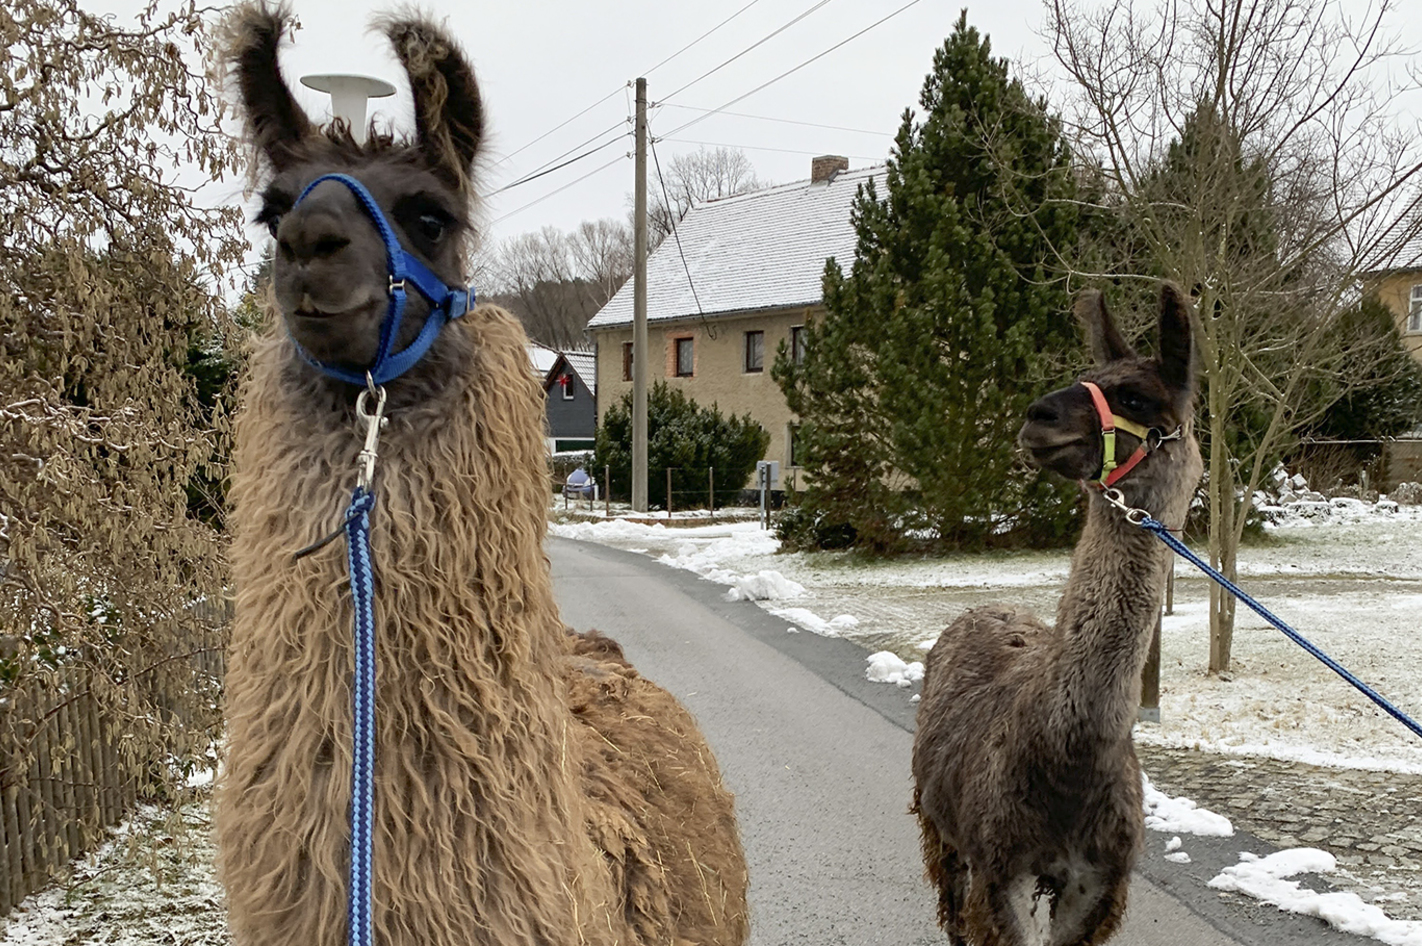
[797, 452]
[1414, 311]
[685, 357]
[755, 352]
[566, 383]
[626, 361]
[797, 344]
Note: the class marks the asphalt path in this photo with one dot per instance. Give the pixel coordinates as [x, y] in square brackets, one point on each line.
[818, 758]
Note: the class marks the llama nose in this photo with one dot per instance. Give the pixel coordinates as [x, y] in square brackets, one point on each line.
[306, 237]
[1043, 412]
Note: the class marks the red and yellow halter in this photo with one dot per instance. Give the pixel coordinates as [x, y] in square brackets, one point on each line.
[1110, 470]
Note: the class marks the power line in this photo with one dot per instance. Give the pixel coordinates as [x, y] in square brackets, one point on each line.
[795, 69]
[759, 42]
[609, 95]
[560, 125]
[544, 168]
[783, 121]
[671, 216]
[722, 144]
[620, 157]
[700, 38]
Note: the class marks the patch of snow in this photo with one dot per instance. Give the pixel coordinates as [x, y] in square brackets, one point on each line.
[1178, 857]
[1166, 813]
[808, 620]
[1265, 879]
[1173, 844]
[888, 667]
[764, 585]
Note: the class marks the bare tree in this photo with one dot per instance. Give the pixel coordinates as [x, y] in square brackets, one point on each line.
[602, 254]
[1247, 150]
[110, 316]
[704, 174]
[555, 281]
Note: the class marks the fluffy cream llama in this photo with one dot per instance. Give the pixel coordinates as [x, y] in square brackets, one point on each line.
[531, 788]
[1027, 788]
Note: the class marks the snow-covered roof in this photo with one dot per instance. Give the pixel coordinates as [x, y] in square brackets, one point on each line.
[542, 358]
[585, 364]
[762, 250]
[1403, 253]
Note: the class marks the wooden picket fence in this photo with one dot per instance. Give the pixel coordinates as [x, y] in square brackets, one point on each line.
[67, 772]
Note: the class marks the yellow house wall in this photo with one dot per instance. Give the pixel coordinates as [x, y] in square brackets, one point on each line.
[718, 371]
[1395, 291]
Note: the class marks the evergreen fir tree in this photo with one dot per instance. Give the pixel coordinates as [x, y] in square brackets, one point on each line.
[952, 320]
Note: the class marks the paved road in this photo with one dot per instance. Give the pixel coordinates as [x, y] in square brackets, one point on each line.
[819, 761]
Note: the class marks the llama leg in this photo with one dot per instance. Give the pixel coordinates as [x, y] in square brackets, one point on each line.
[948, 874]
[1018, 913]
[1090, 908]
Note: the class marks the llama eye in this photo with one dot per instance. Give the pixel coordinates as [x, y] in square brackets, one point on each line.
[1131, 401]
[273, 221]
[431, 227]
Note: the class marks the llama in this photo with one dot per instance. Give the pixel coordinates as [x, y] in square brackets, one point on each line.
[1027, 788]
[530, 786]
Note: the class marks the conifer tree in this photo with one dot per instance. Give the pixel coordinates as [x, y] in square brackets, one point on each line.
[914, 382]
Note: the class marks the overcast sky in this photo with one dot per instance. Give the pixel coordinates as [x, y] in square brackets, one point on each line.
[541, 62]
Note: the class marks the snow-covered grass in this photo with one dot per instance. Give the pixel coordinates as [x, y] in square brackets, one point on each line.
[1346, 574]
[151, 884]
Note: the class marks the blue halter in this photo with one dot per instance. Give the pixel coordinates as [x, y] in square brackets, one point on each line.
[446, 304]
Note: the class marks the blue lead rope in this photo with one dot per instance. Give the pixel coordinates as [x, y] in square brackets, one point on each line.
[1184, 552]
[363, 768]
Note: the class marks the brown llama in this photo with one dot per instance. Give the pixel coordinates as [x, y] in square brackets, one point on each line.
[530, 786]
[1026, 784]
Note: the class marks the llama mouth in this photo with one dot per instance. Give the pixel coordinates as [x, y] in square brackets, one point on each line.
[311, 312]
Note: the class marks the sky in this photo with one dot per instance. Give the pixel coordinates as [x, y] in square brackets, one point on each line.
[556, 74]
[541, 62]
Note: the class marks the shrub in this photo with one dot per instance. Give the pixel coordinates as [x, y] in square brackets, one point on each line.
[686, 437]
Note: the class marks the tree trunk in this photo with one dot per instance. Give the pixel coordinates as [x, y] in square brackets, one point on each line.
[1223, 546]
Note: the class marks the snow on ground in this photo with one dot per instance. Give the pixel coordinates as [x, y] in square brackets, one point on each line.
[1266, 879]
[1346, 574]
[151, 884]
[1168, 813]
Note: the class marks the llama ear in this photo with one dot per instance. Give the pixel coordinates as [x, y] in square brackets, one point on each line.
[1177, 348]
[275, 123]
[449, 114]
[1101, 334]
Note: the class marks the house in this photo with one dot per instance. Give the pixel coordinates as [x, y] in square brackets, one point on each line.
[570, 386]
[569, 380]
[743, 279]
[1398, 283]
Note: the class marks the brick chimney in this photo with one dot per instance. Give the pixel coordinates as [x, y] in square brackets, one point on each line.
[826, 166]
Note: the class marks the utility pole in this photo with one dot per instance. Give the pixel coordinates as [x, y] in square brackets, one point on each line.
[640, 355]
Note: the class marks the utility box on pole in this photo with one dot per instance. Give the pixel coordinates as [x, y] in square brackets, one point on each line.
[767, 477]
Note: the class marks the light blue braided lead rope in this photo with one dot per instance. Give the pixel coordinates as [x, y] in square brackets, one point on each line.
[363, 737]
[1184, 552]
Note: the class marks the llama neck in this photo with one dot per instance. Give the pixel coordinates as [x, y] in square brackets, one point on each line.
[1107, 616]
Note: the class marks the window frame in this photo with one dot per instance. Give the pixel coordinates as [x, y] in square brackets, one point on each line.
[759, 335]
[626, 361]
[569, 392]
[797, 344]
[1414, 310]
[690, 341]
